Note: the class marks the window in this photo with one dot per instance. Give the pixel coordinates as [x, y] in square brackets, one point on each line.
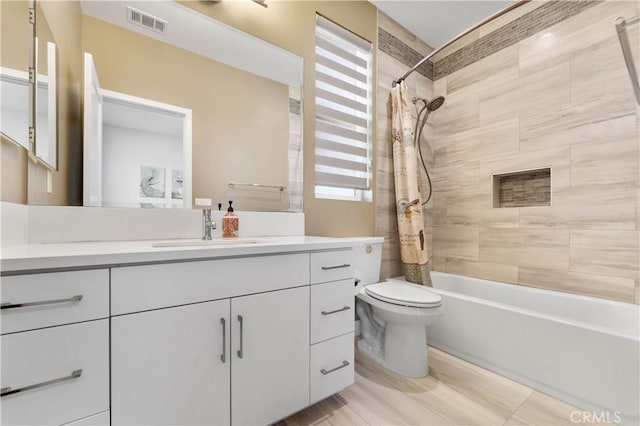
[343, 113]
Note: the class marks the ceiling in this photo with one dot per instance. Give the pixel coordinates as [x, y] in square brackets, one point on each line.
[436, 22]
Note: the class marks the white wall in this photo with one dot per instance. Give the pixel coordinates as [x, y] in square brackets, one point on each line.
[124, 150]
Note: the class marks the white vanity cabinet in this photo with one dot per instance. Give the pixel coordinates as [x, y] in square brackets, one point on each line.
[171, 366]
[332, 322]
[242, 340]
[242, 359]
[55, 348]
[271, 378]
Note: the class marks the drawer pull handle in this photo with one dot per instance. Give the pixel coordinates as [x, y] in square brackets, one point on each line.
[344, 364]
[8, 391]
[223, 356]
[44, 302]
[344, 308]
[241, 335]
[344, 265]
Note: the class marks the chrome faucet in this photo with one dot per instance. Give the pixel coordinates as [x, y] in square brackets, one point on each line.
[207, 224]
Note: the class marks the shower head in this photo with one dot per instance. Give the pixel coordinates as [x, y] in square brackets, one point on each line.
[435, 103]
[431, 105]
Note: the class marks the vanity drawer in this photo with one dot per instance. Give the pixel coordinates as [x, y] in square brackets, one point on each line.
[140, 288]
[60, 297]
[39, 356]
[331, 366]
[331, 310]
[331, 266]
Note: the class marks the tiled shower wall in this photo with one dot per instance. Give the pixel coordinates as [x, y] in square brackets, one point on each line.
[560, 98]
[398, 50]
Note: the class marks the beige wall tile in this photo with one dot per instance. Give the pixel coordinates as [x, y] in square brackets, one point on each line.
[482, 142]
[479, 71]
[604, 77]
[607, 206]
[612, 253]
[440, 87]
[458, 113]
[488, 271]
[477, 210]
[558, 42]
[456, 242]
[439, 263]
[605, 161]
[578, 122]
[541, 92]
[455, 181]
[525, 247]
[606, 287]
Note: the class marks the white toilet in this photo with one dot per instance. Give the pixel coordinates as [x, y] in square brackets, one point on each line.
[393, 315]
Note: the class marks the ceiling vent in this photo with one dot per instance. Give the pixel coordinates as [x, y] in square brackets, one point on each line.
[143, 19]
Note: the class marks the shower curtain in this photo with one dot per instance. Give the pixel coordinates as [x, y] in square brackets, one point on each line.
[413, 245]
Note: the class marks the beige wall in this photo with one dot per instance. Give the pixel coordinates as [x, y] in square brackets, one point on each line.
[14, 53]
[64, 19]
[291, 25]
[560, 98]
[240, 120]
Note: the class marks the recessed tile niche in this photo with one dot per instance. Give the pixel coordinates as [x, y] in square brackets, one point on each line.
[529, 188]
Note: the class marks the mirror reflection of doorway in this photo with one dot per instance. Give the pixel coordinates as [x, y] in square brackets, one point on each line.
[140, 151]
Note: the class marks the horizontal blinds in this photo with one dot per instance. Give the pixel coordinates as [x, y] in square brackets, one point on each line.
[343, 108]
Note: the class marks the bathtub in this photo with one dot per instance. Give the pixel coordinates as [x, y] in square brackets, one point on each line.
[582, 350]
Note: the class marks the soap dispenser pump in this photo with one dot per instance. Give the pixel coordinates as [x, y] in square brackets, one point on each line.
[230, 223]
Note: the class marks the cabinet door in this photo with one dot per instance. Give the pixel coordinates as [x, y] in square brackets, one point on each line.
[270, 371]
[167, 366]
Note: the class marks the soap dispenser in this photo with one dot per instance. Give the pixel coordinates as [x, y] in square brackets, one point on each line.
[230, 223]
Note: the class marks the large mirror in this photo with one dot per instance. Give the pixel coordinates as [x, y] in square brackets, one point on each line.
[179, 106]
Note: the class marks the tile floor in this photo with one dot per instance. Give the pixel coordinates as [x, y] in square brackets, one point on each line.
[455, 393]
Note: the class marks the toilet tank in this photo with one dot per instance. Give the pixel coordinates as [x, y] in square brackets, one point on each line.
[368, 256]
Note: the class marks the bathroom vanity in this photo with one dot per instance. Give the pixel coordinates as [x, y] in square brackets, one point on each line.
[127, 333]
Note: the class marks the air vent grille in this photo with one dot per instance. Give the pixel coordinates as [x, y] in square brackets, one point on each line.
[146, 20]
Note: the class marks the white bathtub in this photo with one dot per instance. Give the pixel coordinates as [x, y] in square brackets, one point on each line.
[583, 350]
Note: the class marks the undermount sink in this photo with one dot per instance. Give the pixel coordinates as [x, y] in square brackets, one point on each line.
[205, 243]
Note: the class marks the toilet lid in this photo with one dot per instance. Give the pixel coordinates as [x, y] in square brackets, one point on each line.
[406, 294]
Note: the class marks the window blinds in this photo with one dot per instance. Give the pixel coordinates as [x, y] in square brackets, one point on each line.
[343, 108]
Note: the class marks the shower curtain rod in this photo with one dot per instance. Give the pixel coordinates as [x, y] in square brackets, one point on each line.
[621, 27]
[459, 36]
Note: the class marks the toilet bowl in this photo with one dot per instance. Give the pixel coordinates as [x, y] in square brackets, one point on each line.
[393, 316]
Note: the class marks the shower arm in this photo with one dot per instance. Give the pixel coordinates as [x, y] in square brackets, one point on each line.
[459, 36]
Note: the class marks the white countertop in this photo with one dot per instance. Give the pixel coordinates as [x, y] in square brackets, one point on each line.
[27, 257]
